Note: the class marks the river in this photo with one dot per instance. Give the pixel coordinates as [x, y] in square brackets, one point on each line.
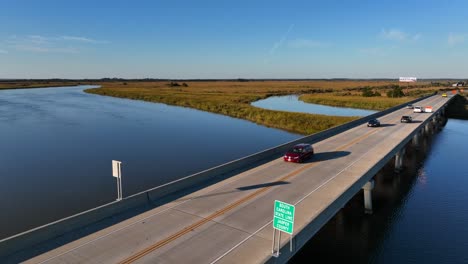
[57, 145]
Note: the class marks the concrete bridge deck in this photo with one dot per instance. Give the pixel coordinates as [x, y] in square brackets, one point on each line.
[231, 221]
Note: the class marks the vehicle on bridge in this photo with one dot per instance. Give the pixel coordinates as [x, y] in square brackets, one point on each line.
[428, 109]
[406, 119]
[410, 106]
[418, 109]
[299, 153]
[444, 95]
[373, 123]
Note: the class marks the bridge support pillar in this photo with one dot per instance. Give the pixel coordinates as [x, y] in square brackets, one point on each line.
[416, 139]
[427, 127]
[368, 196]
[399, 160]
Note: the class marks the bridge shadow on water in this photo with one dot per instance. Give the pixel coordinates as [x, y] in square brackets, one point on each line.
[351, 236]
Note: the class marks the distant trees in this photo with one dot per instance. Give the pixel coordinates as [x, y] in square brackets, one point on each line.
[395, 92]
[368, 92]
[176, 84]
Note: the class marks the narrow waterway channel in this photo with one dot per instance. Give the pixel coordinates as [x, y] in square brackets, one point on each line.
[291, 103]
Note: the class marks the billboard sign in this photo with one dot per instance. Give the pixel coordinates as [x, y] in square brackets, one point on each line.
[408, 79]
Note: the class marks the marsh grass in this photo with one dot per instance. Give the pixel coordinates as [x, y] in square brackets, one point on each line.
[5, 85]
[234, 99]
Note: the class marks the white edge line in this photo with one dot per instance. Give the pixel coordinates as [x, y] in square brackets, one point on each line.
[240, 243]
[302, 199]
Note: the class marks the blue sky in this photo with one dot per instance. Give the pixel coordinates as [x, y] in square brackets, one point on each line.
[233, 39]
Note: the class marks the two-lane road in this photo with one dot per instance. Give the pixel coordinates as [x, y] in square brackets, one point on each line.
[230, 221]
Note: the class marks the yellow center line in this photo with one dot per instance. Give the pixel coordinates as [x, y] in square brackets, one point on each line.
[235, 204]
[210, 217]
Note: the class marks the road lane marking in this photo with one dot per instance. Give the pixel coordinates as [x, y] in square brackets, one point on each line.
[233, 205]
[229, 207]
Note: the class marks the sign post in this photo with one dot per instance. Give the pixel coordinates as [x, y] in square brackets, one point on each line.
[283, 221]
[117, 172]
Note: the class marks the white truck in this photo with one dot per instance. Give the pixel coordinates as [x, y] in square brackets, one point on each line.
[418, 109]
[428, 109]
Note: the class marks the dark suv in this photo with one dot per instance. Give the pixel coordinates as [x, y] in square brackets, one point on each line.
[406, 119]
[299, 153]
[373, 123]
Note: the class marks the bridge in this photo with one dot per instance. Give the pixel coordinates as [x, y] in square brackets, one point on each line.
[225, 214]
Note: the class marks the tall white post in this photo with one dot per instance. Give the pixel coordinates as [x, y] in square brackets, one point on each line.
[117, 173]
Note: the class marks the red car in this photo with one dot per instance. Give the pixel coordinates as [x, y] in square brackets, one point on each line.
[299, 153]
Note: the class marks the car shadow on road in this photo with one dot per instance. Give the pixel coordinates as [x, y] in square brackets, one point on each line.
[387, 125]
[262, 185]
[416, 121]
[243, 188]
[323, 156]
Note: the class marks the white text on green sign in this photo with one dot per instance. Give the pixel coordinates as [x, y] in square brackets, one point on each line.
[283, 217]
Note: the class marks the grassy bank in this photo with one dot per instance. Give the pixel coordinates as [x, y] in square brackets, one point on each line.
[371, 103]
[5, 85]
[233, 99]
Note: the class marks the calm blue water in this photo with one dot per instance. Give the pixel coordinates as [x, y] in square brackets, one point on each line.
[431, 226]
[291, 103]
[57, 145]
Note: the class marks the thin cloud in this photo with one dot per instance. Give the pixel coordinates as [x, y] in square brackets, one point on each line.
[416, 37]
[43, 44]
[305, 43]
[280, 43]
[398, 35]
[2, 51]
[82, 39]
[41, 49]
[454, 39]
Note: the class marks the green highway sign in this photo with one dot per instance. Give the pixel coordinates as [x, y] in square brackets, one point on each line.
[283, 217]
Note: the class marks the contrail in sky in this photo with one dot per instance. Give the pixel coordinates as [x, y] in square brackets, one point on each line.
[281, 41]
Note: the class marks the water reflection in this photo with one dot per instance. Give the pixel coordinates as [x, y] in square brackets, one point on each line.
[291, 103]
